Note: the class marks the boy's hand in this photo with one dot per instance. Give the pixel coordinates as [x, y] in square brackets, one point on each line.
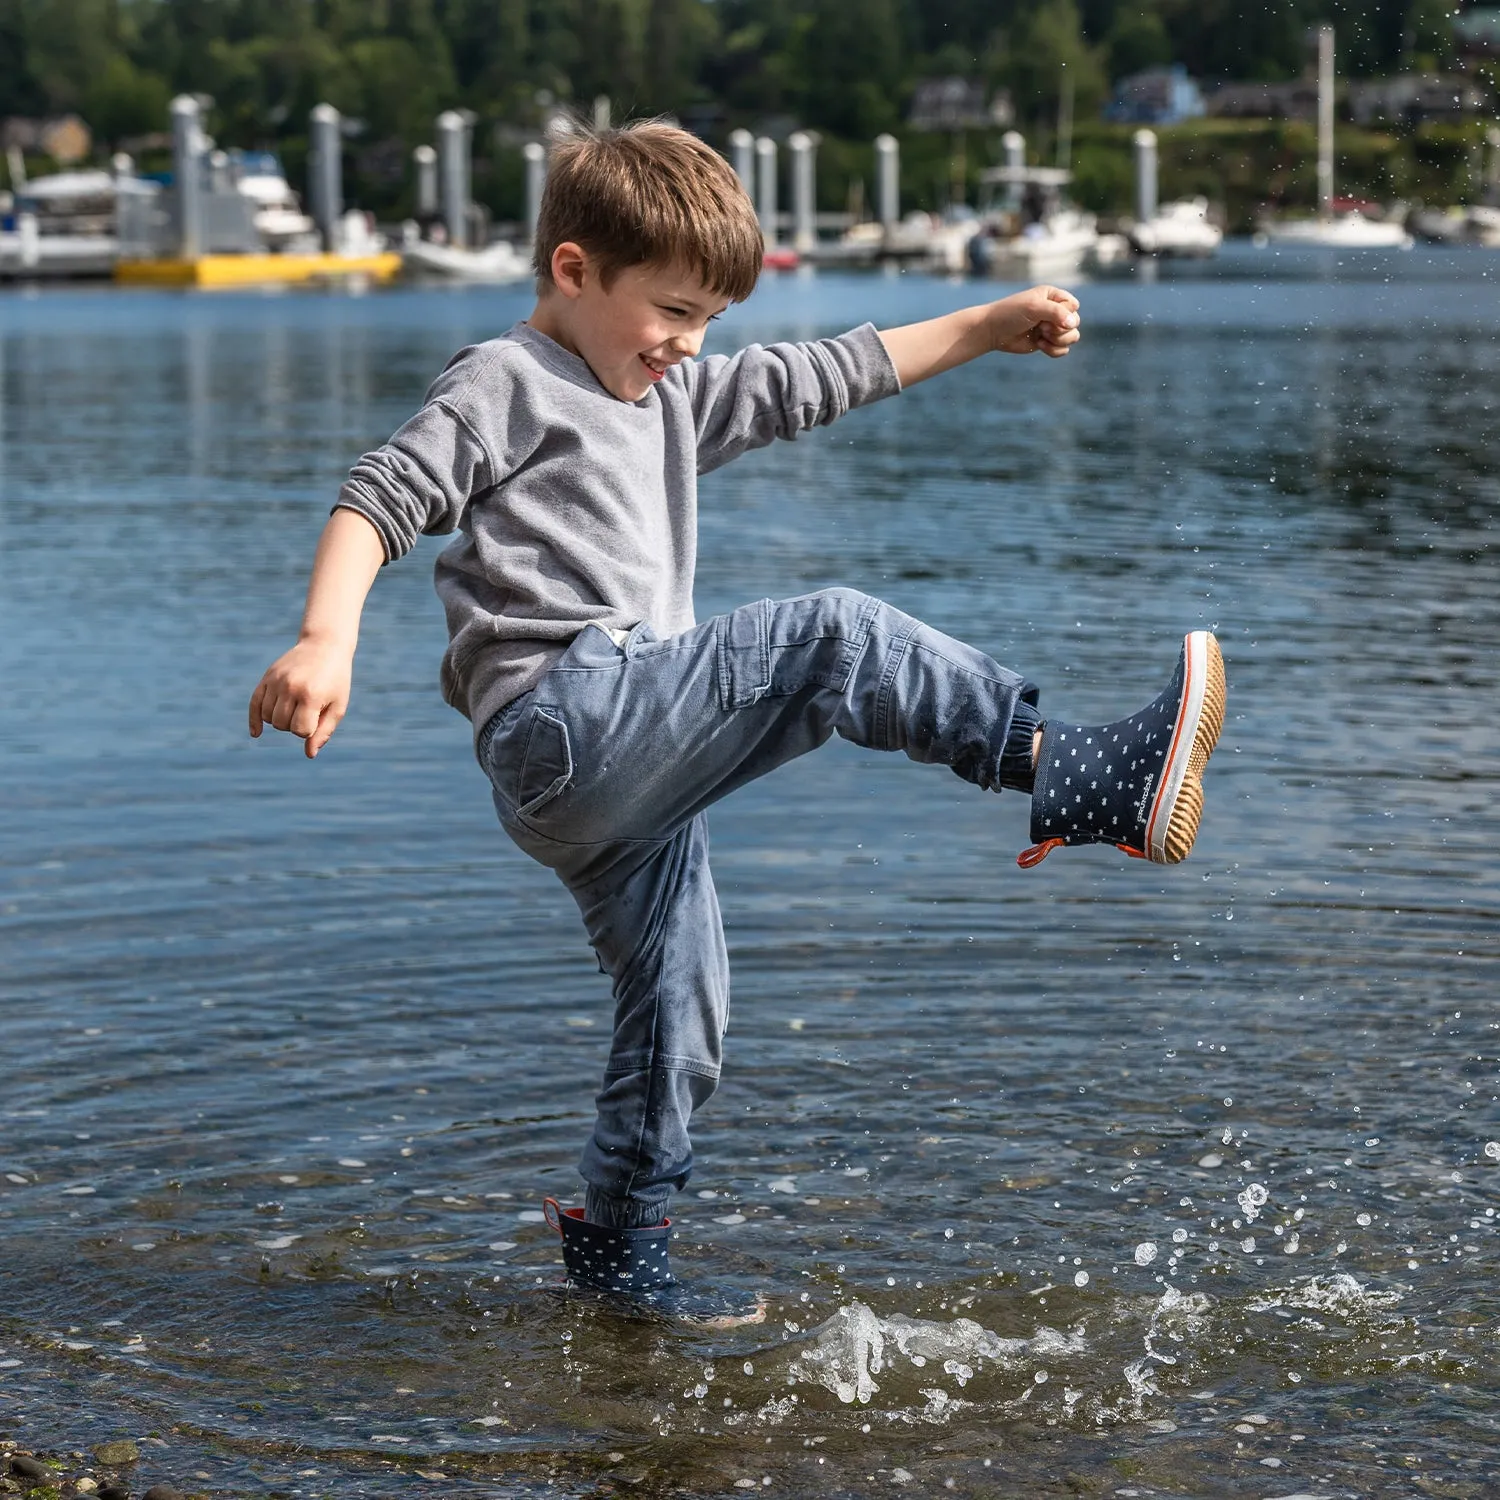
[305, 692]
[1043, 319]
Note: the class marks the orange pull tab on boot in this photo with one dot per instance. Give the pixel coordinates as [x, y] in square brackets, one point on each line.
[552, 1212]
[1038, 852]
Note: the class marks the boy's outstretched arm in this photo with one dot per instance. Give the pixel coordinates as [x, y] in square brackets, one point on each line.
[1043, 319]
[306, 691]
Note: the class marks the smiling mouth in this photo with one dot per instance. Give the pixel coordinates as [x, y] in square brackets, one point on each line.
[654, 367]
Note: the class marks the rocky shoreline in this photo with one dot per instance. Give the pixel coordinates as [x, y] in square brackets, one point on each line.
[107, 1472]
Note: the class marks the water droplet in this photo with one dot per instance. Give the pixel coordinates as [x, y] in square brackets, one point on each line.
[1080, 1278]
[1145, 1253]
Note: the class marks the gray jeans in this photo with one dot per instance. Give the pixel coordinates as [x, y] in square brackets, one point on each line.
[603, 772]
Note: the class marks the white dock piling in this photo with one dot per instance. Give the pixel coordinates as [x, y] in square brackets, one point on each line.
[765, 188]
[1015, 158]
[325, 164]
[424, 159]
[29, 240]
[888, 181]
[742, 158]
[536, 178]
[1145, 176]
[187, 150]
[1325, 121]
[453, 175]
[804, 202]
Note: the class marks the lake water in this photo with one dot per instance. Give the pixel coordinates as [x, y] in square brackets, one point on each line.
[1097, 1178]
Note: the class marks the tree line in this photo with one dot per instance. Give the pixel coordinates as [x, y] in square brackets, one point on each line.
[845, 68]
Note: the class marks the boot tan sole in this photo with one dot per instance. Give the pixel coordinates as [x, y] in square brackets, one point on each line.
[1179, 805]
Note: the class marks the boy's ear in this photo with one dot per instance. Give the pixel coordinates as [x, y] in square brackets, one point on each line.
[570, 267]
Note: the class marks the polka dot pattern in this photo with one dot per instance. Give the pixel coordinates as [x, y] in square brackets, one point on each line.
[615, 1260]
[1097, 785]
[633, 1263]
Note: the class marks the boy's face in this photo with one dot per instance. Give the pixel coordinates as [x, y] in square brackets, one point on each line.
[647, 319]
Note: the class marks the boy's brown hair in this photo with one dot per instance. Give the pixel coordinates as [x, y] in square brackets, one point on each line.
[649, 193]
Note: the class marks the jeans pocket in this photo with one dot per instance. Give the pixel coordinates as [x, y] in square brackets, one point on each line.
[744, 650]
[775, 649]
[546, 764]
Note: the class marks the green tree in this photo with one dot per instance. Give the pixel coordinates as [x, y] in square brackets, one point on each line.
[611, 53]
[263, 87]
[852, 67]
[1043, 49]
[1427, 38]
[388, 85]
[1228, 39]
[19, 91]
[68, 45]
[679, 34]
[758, 66]
[124, 100]
[1138, 39]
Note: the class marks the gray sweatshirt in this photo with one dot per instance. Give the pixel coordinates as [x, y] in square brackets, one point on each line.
[575, 507]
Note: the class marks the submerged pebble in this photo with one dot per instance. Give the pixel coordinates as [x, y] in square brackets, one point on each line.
[119, 1451]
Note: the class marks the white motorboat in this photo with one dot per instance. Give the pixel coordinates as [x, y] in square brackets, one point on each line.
[64, 226]
[279, 220]
[1484, 225]
[1476, 225]
[1038, 235]
[1348, 231]
[1181, 228]
[495, 264]
[1055, 248]
[26, 253]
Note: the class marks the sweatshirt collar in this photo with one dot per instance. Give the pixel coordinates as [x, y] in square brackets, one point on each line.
[573, 367]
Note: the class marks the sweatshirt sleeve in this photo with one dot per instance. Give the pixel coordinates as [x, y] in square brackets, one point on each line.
[420, 481]
[749, 399]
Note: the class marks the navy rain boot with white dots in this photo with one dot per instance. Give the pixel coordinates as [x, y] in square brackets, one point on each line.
[633, 1264]
[1136, 783]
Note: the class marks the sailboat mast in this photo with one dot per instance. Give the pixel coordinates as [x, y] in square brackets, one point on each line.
[1325, 121]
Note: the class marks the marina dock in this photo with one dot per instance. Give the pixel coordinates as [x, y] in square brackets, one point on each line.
[257, 270]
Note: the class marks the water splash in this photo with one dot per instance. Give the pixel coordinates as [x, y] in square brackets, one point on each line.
[855, 1345]
[1252, 1200]
[1338, 1293]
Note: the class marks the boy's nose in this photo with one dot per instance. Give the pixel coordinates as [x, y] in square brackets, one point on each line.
[687, 344]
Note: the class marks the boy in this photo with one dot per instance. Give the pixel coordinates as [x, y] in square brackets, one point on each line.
[567, 452]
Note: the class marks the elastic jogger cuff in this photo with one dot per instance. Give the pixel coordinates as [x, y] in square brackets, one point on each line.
[1017, 767]
[622, 1213]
